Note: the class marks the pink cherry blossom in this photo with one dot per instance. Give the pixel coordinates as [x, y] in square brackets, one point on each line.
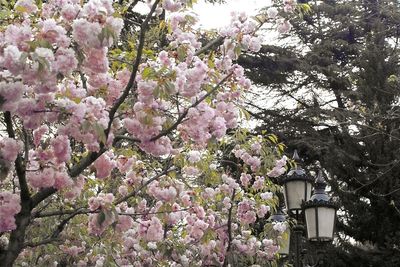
[18, 35]
[272, 12]
[279, 168]
[104, 165]
[194, 156]
[9, 207]
[9, 148]
[284, 26]
[62, 180]
[61, 148]
[65, 61]
[11, 93]
[155, 230]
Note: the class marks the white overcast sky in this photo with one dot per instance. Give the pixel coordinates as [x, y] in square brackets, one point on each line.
[216, 16]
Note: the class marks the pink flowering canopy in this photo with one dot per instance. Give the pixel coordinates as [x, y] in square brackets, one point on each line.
[119, 151]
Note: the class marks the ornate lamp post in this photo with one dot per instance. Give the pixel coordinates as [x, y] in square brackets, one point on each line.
[315, 213]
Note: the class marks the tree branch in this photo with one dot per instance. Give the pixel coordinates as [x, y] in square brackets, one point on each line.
[74, 172]
[128, 138]
[135, 68]
[56, 232]
[209, 45]
[19, 166]
[229, 230]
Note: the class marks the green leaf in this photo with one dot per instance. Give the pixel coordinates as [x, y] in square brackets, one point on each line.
[39, 3]
[21, 9]
[181, 53]
[5, 14]
[273, 138]
[148, 73]
[246, 114]
[238, 50]
[106, 33]
[170, 87]
[85, 126]
[100, 132]
[148, 120]
[281, 147]
[149, 53]
[101, 218]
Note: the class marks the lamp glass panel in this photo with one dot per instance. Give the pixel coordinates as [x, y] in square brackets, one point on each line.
[326, 221]
[310, 221]
[294, 194]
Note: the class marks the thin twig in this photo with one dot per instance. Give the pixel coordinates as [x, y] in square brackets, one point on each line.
[128, 138]
[209, 45]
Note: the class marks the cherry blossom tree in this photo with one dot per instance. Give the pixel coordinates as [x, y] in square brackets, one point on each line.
[112, 150]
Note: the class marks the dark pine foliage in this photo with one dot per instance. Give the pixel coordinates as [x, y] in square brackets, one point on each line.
[340, 83]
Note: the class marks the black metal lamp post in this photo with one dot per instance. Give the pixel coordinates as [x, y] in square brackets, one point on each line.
[317, 211]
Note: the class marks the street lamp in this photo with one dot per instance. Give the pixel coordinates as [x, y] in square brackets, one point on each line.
[297, 187]
[314, 215]
[320, 213]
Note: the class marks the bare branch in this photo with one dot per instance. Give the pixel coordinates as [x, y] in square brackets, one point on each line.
[128, 138]
[215, 42]
[19, 166]
[54, 236]
[60, 213]
[42, 242]
[229, 230]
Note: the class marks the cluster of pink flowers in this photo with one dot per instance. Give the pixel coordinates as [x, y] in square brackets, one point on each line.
[241, 30]
[151, 230]
[283, 25]
[9, 149]
[104, 165]
[280, 226]
[48, 177]
[57, 83]
[246, 213]
[98, 222]
[9, 206]
[279, 168]
[124, 222]
[72, 250]
[164, 194]
[252, 160]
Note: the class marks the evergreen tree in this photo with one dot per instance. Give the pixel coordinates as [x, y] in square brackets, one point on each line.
[336, 94]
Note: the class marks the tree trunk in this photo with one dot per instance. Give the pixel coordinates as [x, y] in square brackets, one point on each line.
[17, 237]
